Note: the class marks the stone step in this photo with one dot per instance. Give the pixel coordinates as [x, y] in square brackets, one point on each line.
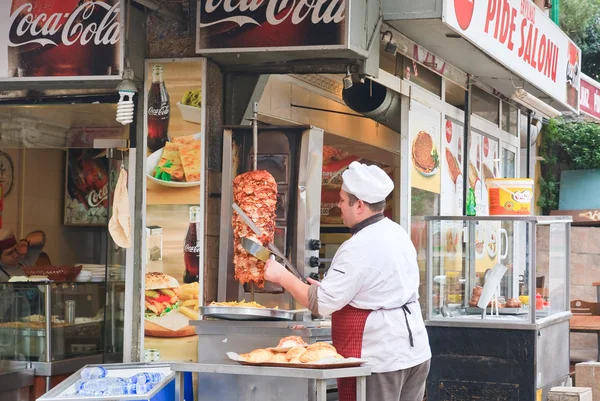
[570, 394]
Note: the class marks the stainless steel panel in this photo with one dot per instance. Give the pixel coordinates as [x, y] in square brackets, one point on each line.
[309, 207]
[552, 353]
[64, 367]
[12, 380]
[216, 338]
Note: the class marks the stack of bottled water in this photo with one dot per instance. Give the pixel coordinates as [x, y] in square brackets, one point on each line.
[94, 383]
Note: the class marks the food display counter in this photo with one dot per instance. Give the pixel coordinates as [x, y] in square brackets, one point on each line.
[16, 381]
[497, 311]
[56, 327]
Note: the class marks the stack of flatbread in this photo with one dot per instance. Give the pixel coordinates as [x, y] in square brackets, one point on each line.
[182, 156]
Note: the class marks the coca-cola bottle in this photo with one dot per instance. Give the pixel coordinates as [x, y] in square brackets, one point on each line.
[191, 247]
[159, 111]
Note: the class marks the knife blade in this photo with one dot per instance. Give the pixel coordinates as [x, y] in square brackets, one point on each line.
[247, 219]
[262, 253]
[255, 249]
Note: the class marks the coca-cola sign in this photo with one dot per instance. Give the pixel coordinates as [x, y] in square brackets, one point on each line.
[68, 38]
[87, 187]
[162, 111]
[254, 24]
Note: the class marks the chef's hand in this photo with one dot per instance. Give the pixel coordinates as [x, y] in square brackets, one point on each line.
[311, 281]
[274, 271]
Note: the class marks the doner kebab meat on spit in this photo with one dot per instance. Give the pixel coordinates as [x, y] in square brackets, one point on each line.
[256, 194]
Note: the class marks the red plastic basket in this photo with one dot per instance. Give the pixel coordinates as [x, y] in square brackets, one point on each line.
[54, 273]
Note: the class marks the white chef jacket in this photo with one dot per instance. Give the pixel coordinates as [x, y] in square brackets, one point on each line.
[377, 269]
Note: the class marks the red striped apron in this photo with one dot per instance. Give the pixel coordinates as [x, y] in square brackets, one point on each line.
[347, 329]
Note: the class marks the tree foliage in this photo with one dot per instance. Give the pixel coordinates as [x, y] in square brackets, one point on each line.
[580, 19]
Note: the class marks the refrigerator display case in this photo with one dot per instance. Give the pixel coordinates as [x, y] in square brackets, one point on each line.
[497, 307]
[161, 391]
[57, 327]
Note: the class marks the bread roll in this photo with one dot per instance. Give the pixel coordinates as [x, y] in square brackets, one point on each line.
[290, 341]
[258, 356]
[279, 358]
[295, 353]
[318, 351]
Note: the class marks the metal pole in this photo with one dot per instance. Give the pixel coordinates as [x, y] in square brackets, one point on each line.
[467, 134]
[529, 144]
[48, 311]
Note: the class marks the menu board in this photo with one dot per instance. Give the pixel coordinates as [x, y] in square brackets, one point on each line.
[335, 162]
[175, 120]
[424, 136]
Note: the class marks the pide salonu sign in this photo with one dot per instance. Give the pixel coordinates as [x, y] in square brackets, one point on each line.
[520, 36]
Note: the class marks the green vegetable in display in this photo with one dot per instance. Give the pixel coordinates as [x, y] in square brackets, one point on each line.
[192, 98]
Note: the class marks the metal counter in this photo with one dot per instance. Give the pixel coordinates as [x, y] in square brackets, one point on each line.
[217, 337]
[15, 381]
[281, 375]
[496, 359]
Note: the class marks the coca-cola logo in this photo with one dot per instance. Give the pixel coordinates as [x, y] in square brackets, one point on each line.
[275, 11]
[163, 111]
[95, 198]
[43, 28]
[191, 249]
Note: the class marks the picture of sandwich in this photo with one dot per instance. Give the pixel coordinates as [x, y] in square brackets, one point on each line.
[424, 154]
[487, 172]
[161, 295]
[473, 175]
[453, 165]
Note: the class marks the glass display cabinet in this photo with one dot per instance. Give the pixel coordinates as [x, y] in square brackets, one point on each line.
[53, 324]
[497, 306]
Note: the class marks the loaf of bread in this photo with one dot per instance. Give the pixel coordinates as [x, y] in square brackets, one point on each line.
[258, 356]
[318, 351]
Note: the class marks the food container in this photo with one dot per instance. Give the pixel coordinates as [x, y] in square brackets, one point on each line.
[190, 113]
[69, 312]
[154, 243]
[510, 196]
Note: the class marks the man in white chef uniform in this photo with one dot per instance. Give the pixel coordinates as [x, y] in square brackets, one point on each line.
[371, 293]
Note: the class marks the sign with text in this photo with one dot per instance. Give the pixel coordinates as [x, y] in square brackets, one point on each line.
[518, 34]
[60, 39]
[589, 98]
[253, 25]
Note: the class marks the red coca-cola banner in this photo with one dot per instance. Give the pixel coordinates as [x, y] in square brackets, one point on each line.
[589, 97]
[249, 25]
[71, 39]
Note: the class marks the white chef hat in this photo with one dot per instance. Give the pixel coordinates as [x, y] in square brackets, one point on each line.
[368, 183]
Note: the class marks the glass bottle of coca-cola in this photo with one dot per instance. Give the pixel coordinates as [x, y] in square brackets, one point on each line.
[159, 110]
[191, 247]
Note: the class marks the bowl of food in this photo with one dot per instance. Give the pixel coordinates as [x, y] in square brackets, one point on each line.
[190, 106]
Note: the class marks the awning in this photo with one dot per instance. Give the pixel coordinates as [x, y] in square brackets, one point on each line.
[504, 44]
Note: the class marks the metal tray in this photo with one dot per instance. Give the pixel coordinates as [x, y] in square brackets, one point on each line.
[241, 313]
[502, 311]
[338, 365]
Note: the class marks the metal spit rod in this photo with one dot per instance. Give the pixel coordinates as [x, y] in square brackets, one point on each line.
[255, 161]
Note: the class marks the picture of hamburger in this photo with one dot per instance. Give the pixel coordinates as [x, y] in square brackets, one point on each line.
[161, 296]
[424, 154]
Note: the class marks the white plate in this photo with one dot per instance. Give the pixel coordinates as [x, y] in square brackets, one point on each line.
[152, 162]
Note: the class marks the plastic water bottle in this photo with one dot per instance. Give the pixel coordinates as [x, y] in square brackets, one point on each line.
[95, 372]
[143, 388]
[115, 386]
[145, 377]
[129, 388]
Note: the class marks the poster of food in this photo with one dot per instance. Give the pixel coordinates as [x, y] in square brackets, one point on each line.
[424, 136]
[335, 162]
[175, 125]
[451, 198]
[475, 178]
[87, 187]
